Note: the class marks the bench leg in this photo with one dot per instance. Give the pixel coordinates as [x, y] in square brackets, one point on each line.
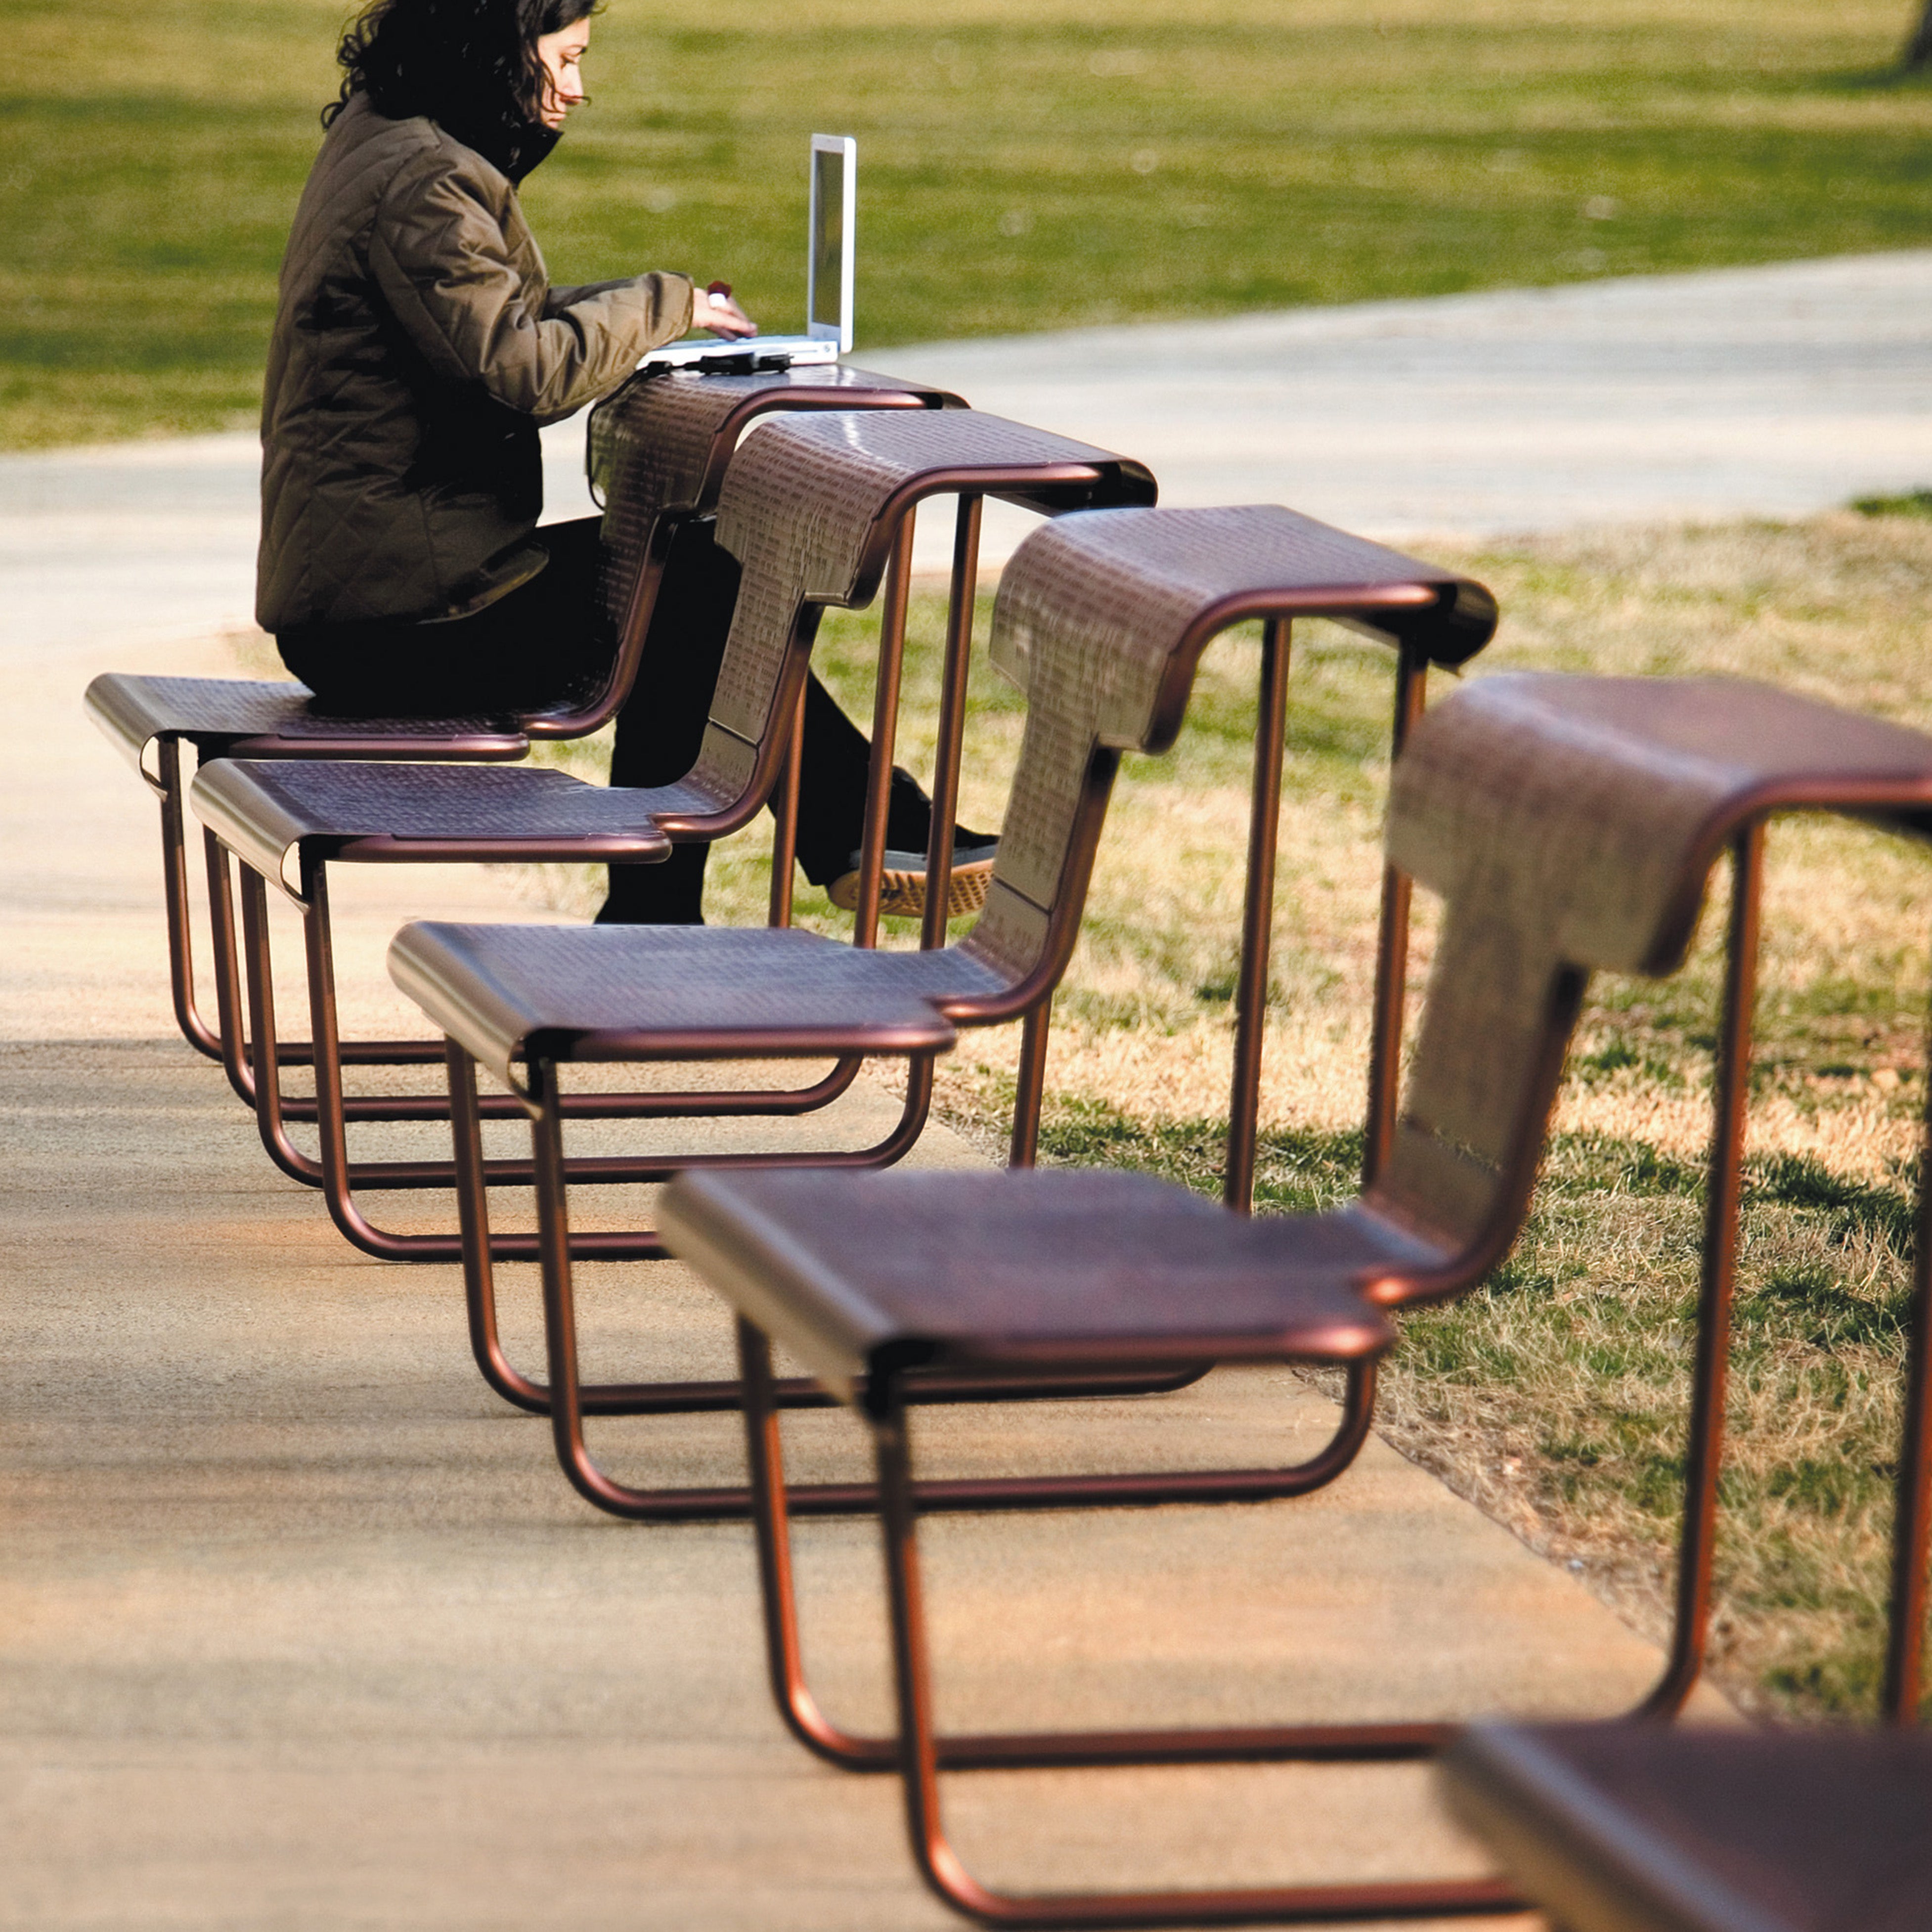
[195, 1030]
[781, 1103]
[1911, 1519]
[774, 1504]
[652, 1398]
[918, 1753]
[231, 997]
[1411, 681]
[234, 1052]
[1903, 1687]
[1238, 1185]
[1023, 1148]
[338, 1177]
[568, 1400]
[1723, 1192]
[479, 1284]
[949, 752]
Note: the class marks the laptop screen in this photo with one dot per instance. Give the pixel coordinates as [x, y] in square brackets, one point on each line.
[828, 271]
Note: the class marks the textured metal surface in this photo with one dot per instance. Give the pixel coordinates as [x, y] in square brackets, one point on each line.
[1102, 617]
[1573, 821]
[660, 444]
[216, 713]
[1627, 1828]
[805, 510]
[618, 992]
[262, 809]
[133, 711]
[988, 1270]
[1148, 588]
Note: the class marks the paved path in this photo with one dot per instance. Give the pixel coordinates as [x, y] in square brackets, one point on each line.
[1774, 392]
[301, 1629]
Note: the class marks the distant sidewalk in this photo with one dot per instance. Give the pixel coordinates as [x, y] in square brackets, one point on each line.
[1774, 391]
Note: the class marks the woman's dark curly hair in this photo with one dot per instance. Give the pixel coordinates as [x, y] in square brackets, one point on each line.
[470, 65]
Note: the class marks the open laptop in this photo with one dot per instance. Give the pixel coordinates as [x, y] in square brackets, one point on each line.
[830, 231]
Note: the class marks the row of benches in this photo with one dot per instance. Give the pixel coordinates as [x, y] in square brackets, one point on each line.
[1569, 824]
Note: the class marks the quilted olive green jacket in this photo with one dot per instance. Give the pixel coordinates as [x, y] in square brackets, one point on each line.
[418, 348]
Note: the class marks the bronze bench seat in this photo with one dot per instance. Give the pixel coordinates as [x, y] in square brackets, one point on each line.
[1017, 1272]
[591, 994]
[149, 719]
[1570, 826]
[222, 717]
[268, 811]
[657, 452]
[819, 511]
[1629, 1827]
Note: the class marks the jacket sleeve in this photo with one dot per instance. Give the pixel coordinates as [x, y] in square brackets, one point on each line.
[558, 300]
[439, 257]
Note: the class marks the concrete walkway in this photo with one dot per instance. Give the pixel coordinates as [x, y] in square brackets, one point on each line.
[300, 1628]
[1738, 392]
[1773, 392]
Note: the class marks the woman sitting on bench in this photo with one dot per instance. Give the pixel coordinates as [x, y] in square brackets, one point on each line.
[418, 349]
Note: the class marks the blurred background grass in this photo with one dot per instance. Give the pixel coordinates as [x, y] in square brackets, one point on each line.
[1024, 164]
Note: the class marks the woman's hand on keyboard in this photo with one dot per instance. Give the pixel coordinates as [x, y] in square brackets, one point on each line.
[713, 309]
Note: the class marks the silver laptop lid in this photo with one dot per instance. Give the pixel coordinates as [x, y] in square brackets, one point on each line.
[834, 218]
[831, 237]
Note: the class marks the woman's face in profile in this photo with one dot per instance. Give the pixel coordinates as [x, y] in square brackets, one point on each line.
[563, 85]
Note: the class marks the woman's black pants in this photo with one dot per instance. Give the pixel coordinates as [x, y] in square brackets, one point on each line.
[548, 641]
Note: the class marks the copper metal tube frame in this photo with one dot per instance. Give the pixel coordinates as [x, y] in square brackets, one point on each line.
[254, 1073]
[339, 1178]
[919, 1754]
[568, 1401]
[574, 721]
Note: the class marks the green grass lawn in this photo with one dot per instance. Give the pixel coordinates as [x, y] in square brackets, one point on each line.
[1025, 163]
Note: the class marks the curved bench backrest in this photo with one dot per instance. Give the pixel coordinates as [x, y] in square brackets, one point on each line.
[810, 509]
[657, 452]
[1569, 825]
[1102, 618]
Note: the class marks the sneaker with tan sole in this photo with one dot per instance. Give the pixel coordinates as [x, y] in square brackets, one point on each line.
[902, 882]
